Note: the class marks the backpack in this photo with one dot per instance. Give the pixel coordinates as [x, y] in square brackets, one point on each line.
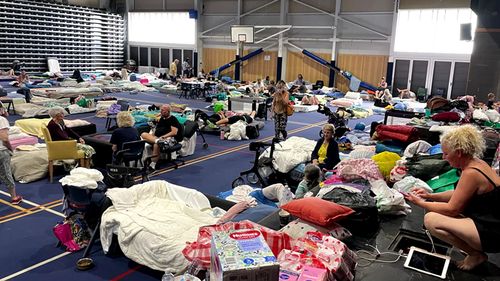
[365, 219]
[438, 103]
[252, 132]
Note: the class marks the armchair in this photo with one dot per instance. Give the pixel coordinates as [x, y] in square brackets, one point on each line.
[61, 150]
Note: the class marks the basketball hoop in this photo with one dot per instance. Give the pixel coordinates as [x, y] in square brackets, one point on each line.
[242, 34]
[242, 38]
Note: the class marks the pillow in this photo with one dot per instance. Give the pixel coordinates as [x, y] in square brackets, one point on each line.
[352, 95]
[256, 213]
[298, 228]
[317, 210]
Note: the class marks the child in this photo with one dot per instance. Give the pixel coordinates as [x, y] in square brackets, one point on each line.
[310, 183]
[491, 100]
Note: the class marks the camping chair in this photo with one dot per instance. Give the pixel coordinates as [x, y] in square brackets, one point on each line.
[62, 150]
[124, 106]
[131, 151]
[319, 84]
[185, 89]
[421, 94]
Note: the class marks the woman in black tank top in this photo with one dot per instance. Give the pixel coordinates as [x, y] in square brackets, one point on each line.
[468, 217]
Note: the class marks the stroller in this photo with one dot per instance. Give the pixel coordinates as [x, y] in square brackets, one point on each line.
[262, 172]
[338, 119]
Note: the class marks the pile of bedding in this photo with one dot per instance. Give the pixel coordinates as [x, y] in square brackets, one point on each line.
[153, 221]
[290, 153]
[350, 99]
[17, 137]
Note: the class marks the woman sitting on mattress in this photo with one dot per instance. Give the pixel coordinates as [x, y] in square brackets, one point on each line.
[326, 152]
[59, 131]
[467, 217]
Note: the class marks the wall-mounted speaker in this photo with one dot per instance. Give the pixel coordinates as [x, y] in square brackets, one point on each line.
[465, 32]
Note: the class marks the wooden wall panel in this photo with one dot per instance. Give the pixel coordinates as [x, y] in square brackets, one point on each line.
[311, 70]
[214, 57]
[368, 68]
[258, 67]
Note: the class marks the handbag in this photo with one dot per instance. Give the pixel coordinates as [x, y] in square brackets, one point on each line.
[289, 110]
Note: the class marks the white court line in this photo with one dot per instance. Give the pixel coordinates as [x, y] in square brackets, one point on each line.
[37, 205]
[35, 266]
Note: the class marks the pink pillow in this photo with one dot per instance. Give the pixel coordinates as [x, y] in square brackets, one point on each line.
[317, 210]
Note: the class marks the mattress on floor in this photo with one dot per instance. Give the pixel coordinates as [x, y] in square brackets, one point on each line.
[168, 89]
[33, 126]
[57, 93]
[305, 108]
[7, 78]
[28, 109]
[346, 102]
[162, 217]
[25, 140]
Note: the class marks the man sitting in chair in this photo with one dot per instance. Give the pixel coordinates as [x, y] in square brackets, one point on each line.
[168, 127]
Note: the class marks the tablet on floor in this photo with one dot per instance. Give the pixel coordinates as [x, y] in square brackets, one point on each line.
[426, 262]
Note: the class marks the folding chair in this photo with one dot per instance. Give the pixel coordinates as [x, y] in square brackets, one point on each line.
[131, 151]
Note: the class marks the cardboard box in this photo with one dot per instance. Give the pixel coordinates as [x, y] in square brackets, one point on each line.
[242, 255]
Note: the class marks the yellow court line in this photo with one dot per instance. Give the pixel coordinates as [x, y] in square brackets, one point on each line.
[31, 213]
[13, 206]
[37, 205]
[29, 210]
[13, 275]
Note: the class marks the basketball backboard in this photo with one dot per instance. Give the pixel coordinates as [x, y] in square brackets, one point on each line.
[242, 33]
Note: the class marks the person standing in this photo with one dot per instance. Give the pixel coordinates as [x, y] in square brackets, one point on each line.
[173, 69]
[186, 68]
[5, 155]
[279, 108]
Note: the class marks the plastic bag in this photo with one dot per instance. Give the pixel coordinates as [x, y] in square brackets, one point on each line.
[63, 233]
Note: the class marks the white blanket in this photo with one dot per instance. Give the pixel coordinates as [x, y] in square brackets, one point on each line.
[153, 222]
[290, 153]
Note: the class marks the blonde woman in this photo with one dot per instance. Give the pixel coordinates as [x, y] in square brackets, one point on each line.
[468, 217]
[326, 152]
[125, 132]
[279, 106]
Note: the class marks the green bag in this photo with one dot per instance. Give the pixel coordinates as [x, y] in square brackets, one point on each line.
[445, 181]
[218, 106]
[82, 102]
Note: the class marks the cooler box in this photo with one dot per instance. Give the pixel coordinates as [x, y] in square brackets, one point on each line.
[242, 255]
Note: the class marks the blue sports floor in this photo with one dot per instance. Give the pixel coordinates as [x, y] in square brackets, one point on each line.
[28, 246]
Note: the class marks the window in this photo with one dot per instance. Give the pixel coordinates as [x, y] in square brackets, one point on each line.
[433, 31]
[161, 28]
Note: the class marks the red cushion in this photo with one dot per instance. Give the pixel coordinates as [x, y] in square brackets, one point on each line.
[317, 210]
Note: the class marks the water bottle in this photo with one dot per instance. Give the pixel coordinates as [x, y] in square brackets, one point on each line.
[167, 277]
[193, 270]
